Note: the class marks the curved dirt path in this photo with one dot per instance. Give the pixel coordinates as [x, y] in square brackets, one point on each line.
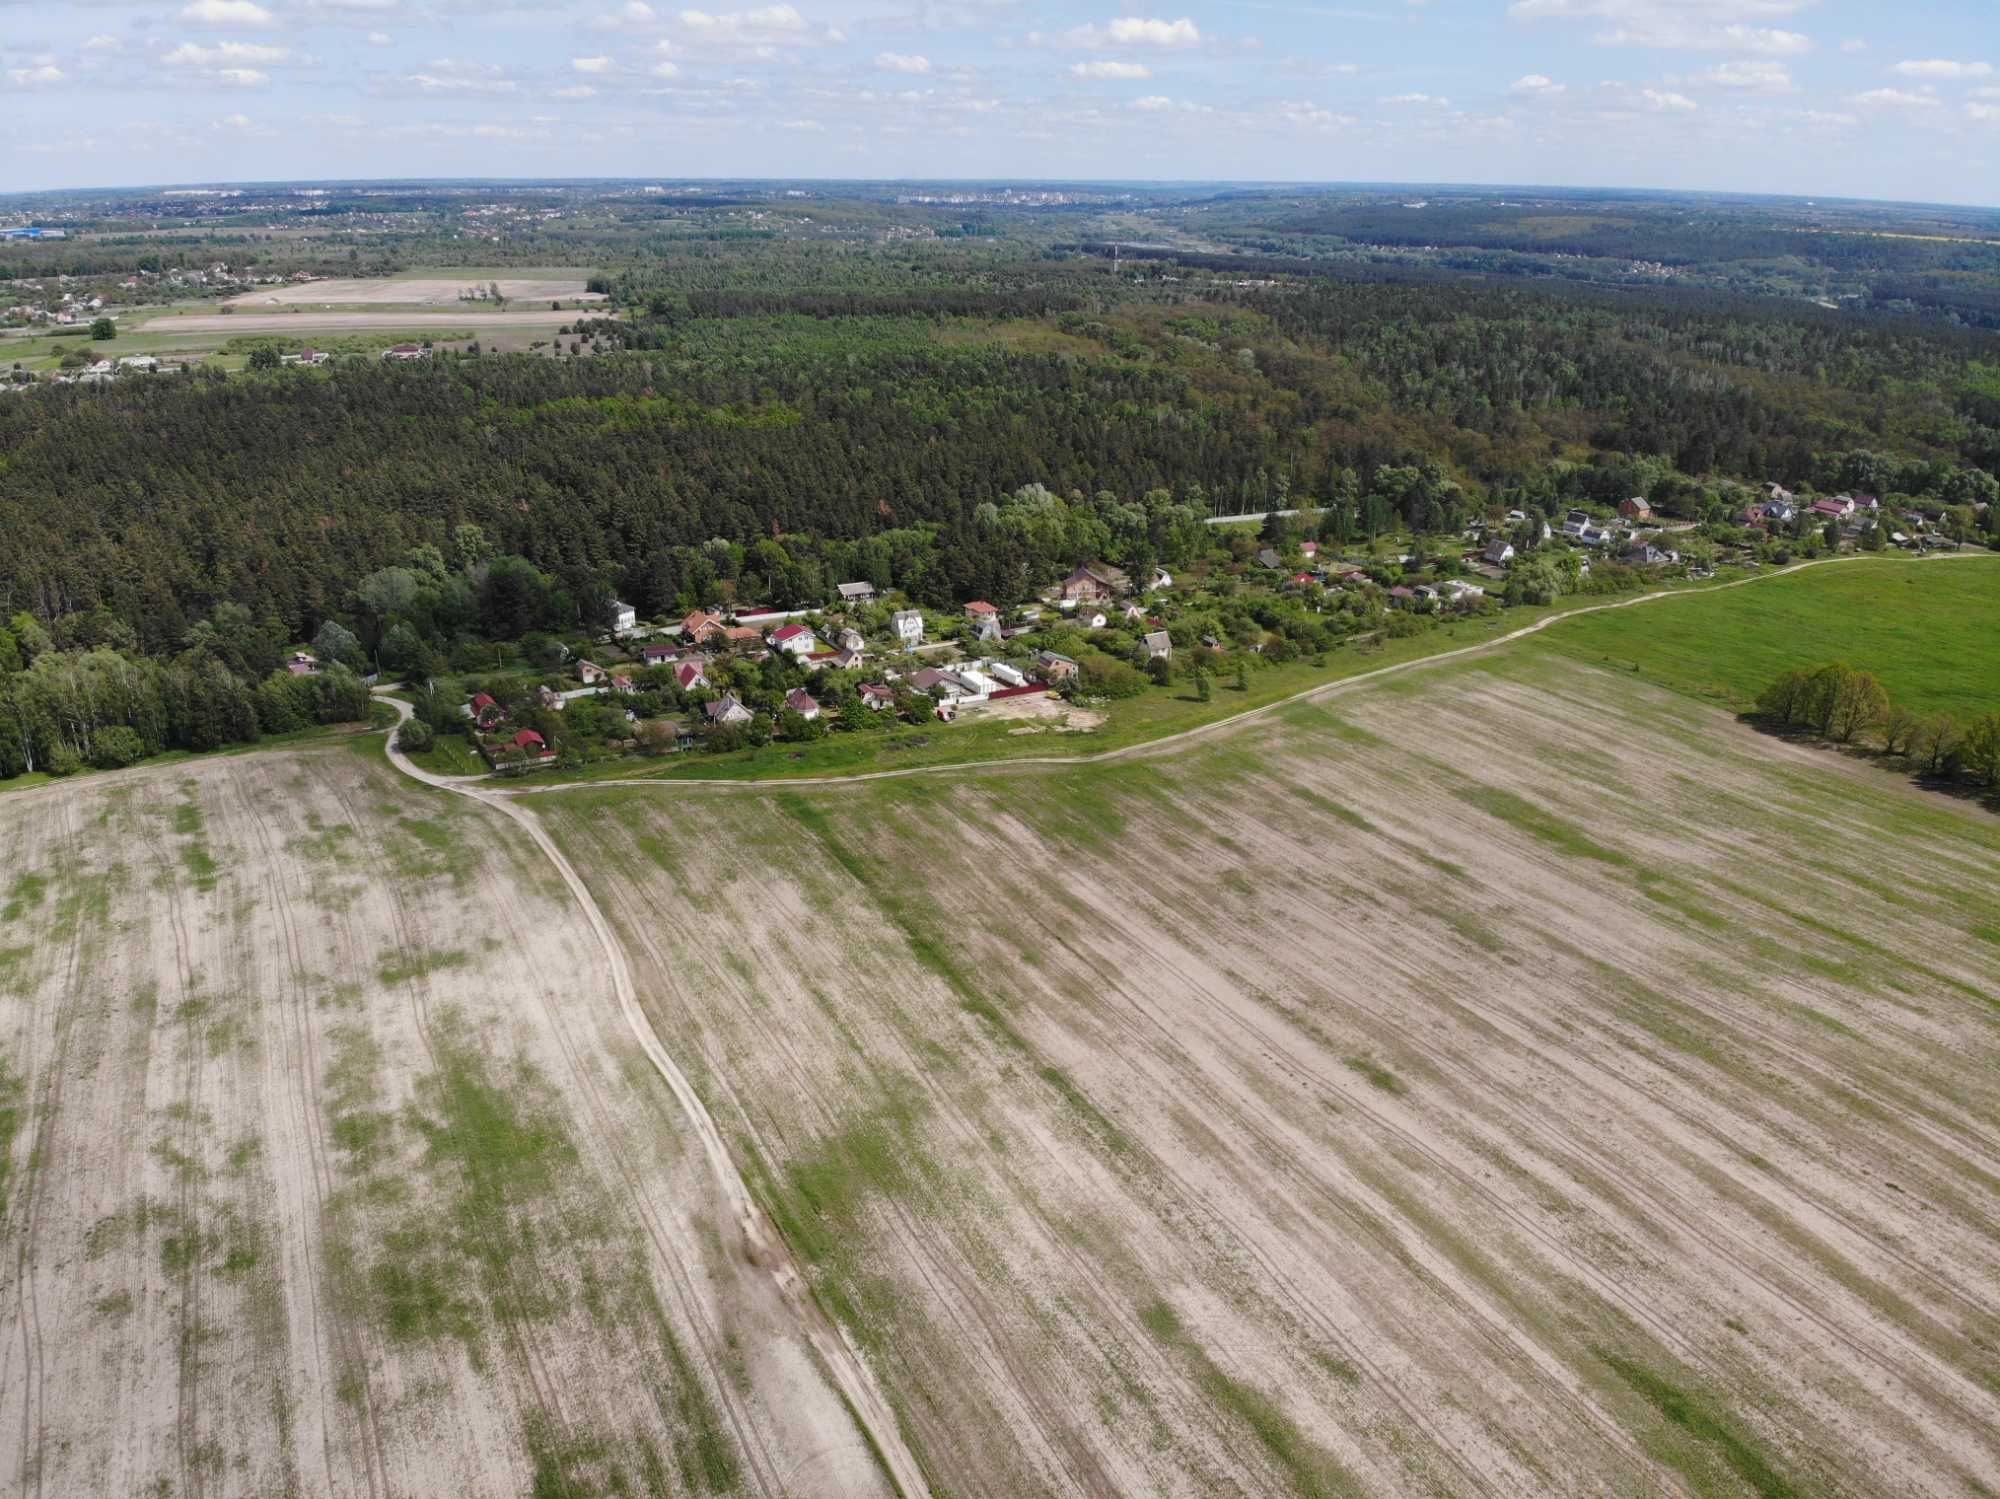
[837, 1353]
[1218, 726]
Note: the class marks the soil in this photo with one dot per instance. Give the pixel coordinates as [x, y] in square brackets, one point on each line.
[438, 291]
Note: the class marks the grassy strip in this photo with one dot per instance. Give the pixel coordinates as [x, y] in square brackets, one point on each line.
[1313, 1473]
[1687, 1412]
[1539, 823]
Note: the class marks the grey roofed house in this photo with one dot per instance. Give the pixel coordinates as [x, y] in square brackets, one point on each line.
[1266, 557]
[727, 709]
[1499, 553]
[856, 593]
[909, 625]
[1159, 643]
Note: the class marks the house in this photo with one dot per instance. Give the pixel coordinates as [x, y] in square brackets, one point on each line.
[1635, 508]
[623, 616]
[549, 698]
[740, 636]
[1838, 508]
[700, 627]
[590, 673]
[1267, 557]
[1645, 554]
[1055, 666]
[689, 675]
[1087, 583]
[1309, 550]
[796, 641]
[1457, 590]
[851, 640]
[1007, 676]
[302, 664]
[1159, 645]
[979, 609]
[485, 712]
[1576, 523]
[1780, 493]
[847, 660]
[308, 356]
[1498, 553]
[623, 686]
[1091, 617]
[727, 711]
[877, 695]
[660, 655]
[405, 351]
[856, 593]
[531, 743]
[1403, 595]
[143, 364]
[802, 703]
[1162, 578]
[909, 626]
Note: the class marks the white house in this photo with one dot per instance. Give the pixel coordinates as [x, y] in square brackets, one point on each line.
[909, 626]
[856, 593]
[727, 710]
[802, 703]
[1159, 645]
[1499, 554]
[797, 641]
[623, 616]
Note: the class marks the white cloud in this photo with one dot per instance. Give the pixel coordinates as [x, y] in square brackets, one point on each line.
[666, 70]
[577, 91]
[591, 64]
[1305, 115]
[1895, 98]
[378, 39]
[233, 122]
[1837, 119]
[243, 77]
[1764, 77]
[809, 126]
[1684, 25]
[450, 75]
[1854, 44]
[226, 13]
[1984, 113]
[1110, 70]
[1535, 83]
[902, 62]
[1153, 101]
[1666, 99]
[194, 55]
[780, 20]
[39, 75]
[103, 44]
[1126, 31]
[1417, 99]
[1941, 67]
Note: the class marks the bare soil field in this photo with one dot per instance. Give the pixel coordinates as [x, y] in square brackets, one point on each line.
[329, 1165]
[1507, 1079]
[416, 291]
[451, 322]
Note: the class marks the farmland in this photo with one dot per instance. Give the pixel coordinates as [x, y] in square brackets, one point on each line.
[1926, 630]
[446, 289]
[334, 1168]
[1508, 1077]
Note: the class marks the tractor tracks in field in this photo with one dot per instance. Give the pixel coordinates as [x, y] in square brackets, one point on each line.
[759, 1242]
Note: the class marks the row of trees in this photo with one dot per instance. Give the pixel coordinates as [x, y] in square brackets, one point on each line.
[1839, 703]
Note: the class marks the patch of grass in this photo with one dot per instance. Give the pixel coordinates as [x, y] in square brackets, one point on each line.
[1689, 1413]
[1377, 1075]
[1539, 823]
[12, 1091]
[1925, 629]
[407, 964]
[27, 892]
[1311, 1472]
[1333, 808]
[431, 849]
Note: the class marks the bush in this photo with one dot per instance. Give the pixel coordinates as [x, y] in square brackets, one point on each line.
[415, 737]
[61, 760]
[115, 747]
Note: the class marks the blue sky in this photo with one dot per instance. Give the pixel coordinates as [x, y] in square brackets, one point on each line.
[1818, 97]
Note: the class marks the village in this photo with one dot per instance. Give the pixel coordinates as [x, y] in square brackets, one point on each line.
[735, 676]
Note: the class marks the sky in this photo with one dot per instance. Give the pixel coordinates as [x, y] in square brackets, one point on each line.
[1852, 98]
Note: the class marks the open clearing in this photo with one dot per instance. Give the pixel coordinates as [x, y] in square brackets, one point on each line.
[331, 1167]
[449, 323]
[426, 290]
[1509, 1078]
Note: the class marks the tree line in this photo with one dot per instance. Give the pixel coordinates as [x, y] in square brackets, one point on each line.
[1836, 702]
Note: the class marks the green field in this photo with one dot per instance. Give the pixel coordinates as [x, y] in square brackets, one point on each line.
[1929, 630]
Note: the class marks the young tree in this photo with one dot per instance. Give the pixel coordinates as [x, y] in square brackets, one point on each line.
[103, 328]
[1979, 749]
[1934, 742]
[1859, 704]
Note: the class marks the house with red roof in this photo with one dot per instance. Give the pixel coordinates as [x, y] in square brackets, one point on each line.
[689, 675]
[802, 703]
[700, 626]
[796, 640]
[660, 655]
[485, 712]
